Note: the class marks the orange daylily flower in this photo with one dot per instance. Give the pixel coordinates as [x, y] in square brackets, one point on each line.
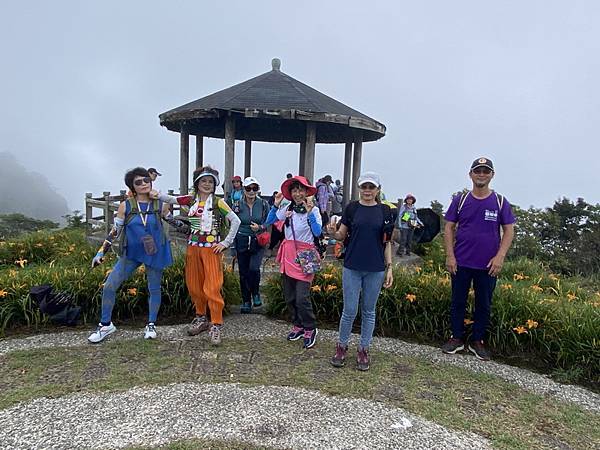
[327, 276]
[21, 262]
[316, 288]
[571, 296]
[330, 287]
[506, 286]
[518, 276]
[132, 291]
[520, 329]
[531, 324]
[3, 293]
[410, 297]
[537, 288]
[468, 322]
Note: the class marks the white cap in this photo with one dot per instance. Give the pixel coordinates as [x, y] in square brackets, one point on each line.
[369, 177]
[250, 180]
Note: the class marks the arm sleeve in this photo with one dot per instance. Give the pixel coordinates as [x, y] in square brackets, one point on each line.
[173, 200]
[315, 222]
[280, 214]
[271, 217]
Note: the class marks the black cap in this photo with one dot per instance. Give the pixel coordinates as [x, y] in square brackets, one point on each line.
[152, 169]
[483, 162]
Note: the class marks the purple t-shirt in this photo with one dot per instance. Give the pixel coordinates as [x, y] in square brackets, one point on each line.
[478, 228]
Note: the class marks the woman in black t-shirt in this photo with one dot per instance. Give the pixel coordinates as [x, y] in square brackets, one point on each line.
[366, 225]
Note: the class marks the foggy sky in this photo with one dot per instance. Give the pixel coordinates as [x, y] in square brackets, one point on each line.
[82, 84]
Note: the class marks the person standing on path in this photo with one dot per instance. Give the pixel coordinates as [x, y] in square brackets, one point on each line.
[478, 233]
[252, 212]
[367, 226]
[302, 223]
[408, 220]
[207, 241]
[143, 241]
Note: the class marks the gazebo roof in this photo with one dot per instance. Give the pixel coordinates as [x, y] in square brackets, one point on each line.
[273, 107]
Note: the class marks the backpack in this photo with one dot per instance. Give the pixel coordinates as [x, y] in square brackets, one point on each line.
[134, 210]
[388, 226]
[464, 195]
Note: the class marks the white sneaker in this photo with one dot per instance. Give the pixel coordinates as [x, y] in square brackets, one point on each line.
[150, 331]
[102, 331]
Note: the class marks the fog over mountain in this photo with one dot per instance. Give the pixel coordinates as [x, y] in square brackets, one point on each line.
[28, 193]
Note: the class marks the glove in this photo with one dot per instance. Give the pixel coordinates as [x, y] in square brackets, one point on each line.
[98, 259]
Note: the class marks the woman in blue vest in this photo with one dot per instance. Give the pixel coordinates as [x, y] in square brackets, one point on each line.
[252, 211]
[138, 224]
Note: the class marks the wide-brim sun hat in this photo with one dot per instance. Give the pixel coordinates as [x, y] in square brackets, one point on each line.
[250, 180]
[409, 195]
[369, 177]
[285, 187]
[207, 174]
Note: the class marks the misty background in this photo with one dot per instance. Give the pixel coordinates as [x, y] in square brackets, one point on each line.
[82, 85]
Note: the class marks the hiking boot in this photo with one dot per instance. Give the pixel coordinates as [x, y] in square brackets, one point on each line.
[362, 359]
[479, 350]
[101, 333]
[246, 308]
[215, 334]
[453, 345]
[310, 338]
[150, 331]
[256, 301]
[339, 359]
[296, 333]
[198, 325]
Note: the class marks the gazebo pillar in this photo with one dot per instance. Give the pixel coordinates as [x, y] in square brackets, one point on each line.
[248, 158]
[184, 160]
[199, 152]
[356, 163]
[302, 158]
[347, 173]
[229, 153]
[309, 157]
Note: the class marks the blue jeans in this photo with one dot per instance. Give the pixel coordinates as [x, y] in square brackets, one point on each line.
[483, 285]
[121, 272]
[353, 282]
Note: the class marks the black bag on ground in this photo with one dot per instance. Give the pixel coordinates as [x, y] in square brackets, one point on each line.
[58, 306]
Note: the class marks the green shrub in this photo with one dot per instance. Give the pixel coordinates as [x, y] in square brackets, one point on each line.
[534, 314]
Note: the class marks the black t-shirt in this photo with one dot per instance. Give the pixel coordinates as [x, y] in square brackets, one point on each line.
[365, 251]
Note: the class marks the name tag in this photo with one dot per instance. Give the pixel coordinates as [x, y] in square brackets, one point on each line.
[491, 215]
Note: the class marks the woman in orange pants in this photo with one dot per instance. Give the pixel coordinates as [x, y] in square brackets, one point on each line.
[206, 242]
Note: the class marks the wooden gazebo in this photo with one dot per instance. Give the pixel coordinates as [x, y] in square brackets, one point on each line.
[272, 107]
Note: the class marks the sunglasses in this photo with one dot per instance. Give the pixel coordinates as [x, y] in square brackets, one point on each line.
[483, 170]
[368, 186]
[141, 181]
[254, 188]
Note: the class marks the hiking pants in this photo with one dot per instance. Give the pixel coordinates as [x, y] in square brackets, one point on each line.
[204, 279]
[483, 285]
[249, 264]
[297, 297]
[121, 272]
[355, 282]
[406, 237]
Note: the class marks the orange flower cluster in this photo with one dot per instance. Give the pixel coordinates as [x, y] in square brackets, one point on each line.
[330, 287]
[3, 293]
[537, 288]
[316, 288]
[410, 297]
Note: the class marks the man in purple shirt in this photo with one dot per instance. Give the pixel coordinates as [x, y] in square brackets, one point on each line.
[475, 252]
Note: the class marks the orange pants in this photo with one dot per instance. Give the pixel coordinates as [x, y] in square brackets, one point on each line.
[204, 279]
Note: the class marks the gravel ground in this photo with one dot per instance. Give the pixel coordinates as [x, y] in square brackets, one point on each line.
[255, 326]
[280, 417]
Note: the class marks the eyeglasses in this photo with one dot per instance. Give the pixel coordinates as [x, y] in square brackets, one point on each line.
[368, 186]
[484, 170]
[141, 181]
[254, 188]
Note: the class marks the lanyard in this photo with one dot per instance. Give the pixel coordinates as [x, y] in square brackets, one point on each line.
[143, 214]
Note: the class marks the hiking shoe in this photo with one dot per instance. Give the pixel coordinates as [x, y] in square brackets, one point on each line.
[479, 350]
[102, 331]
[362, 359]
[453, 345]
[150, 331]
[215, 334]
[246, 308]
[339, 359]
[198, 325]
[256, 301]
[310, 338]
[296, 333]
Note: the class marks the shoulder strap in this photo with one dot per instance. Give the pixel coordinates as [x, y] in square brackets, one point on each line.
[133, 210]
[500, 200]
[463, 198]
[387, 213]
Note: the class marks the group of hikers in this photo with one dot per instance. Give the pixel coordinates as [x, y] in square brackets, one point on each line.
[302, 213]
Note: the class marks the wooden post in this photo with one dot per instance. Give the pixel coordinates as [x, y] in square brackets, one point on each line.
[199, 151]
[108, 214]
[302, 158]
[229, 153]
[356, 163]
[184, 161]
[248, 158]
[309, 159]
[88, 209]
[347, 173]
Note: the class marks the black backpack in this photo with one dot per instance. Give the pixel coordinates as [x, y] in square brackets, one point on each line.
[388, 224]
[57, 305]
